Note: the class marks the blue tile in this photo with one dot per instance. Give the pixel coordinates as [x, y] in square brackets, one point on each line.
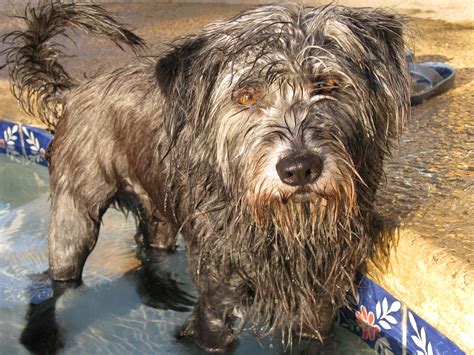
[10, 138]
[422, 338]
[36, 143]
[3, 144]
[376, 317]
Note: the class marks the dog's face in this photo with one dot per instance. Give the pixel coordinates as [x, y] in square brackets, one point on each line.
[295, 99]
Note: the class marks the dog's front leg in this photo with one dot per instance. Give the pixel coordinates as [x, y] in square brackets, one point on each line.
[73, 233]
[209, 326]
[156, 232]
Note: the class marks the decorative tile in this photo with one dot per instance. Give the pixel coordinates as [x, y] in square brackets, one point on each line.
[423, 339]
[36, 143]
[3, 145]
[376, 317]
[380, 318]
[10, 138]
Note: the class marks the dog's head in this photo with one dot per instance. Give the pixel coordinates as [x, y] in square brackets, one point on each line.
[292, 104]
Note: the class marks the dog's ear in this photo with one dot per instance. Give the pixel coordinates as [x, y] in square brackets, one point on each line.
[176, 74]
[382, 37]
[177, 65]
[371, 42]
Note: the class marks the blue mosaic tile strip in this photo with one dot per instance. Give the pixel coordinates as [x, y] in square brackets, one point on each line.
[36, 142]
[375, 315]
[24, 140]
[377, 318]
[3, 144]
[379, 313]
[422, 338]
[10, 138]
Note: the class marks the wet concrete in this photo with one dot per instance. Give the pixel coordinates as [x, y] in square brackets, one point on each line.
[429, 189]
[430, 180]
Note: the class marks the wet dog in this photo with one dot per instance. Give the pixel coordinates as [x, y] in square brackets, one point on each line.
[261, 139]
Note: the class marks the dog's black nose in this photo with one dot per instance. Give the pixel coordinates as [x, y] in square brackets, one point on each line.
[299, 169]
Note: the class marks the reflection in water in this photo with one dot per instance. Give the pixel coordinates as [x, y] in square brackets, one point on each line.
[42, 334]
[155, 286]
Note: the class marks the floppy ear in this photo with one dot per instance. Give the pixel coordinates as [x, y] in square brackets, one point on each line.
[176, 65]
[370, 42]
[386, 69]
[176, 74]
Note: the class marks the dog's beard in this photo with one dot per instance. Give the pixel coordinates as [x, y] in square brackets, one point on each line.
[300, 258]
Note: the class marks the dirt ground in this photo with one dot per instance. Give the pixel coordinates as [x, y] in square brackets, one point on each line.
[158, 23]
[430, 39]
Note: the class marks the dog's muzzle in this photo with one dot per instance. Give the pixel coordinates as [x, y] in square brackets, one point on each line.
[299, 169]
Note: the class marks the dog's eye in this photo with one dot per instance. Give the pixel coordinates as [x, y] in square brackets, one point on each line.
[325, 86]
[246, 97]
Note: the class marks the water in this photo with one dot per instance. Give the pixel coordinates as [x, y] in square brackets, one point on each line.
[126, 301]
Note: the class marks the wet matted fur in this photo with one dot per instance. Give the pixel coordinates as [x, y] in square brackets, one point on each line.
[193, 142]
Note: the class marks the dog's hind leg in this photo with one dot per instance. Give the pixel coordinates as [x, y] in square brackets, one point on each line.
[73, 232]
[155, 230]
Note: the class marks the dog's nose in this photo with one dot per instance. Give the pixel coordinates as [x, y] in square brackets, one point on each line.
[299, 169]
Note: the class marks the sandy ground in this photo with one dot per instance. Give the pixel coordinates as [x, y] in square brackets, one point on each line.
[439, 30]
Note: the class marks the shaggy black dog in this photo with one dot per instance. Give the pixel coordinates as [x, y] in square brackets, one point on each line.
[261, 139]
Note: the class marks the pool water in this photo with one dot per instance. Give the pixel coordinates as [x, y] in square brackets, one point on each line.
[131, 300]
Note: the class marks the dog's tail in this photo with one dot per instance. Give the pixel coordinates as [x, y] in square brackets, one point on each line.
[37, 79]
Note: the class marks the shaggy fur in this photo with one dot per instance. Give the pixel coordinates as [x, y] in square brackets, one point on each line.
[190, 141]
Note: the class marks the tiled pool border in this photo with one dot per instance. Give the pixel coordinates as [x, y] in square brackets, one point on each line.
[17, 139]
[383, 322]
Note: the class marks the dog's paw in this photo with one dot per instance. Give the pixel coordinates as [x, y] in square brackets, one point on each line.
[212, 336]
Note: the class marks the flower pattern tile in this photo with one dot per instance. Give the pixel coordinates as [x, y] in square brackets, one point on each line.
[377, 318]
[23, 140]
